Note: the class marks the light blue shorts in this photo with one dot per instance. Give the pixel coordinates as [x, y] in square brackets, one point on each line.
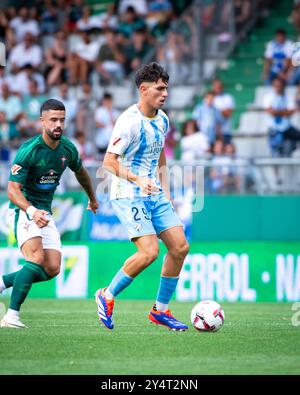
[146, 215]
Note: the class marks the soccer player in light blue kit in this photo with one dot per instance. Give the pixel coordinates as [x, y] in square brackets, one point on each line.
[141, 200]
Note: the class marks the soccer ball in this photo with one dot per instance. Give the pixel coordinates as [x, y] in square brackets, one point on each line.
[207, 316]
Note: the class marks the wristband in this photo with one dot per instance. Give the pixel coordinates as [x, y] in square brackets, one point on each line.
[30, 211]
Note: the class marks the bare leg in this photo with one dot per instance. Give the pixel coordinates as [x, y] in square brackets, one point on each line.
[54, 75]
[178, 248]
[147, 252]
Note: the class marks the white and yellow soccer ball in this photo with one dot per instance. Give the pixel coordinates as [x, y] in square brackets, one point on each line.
[207, 316]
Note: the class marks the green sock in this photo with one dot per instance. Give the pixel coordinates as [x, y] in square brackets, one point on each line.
[9, 279]
[29, 274]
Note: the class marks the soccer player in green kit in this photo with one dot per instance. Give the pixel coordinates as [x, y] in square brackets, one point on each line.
[34, 177]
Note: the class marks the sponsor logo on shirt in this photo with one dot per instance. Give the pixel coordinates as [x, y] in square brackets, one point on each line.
[15, 169]
[48, 181]
[156, 147]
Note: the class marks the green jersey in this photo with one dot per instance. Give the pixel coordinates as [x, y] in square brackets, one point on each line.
[39, 168]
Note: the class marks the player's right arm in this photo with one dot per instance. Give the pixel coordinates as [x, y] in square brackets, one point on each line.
[15, 195]
[18, 176]
[112, 164]
[122, 137]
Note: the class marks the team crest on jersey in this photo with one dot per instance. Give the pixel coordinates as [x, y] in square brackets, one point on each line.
[63, 159]
[15, 169]
[51, 172]
[138, 227]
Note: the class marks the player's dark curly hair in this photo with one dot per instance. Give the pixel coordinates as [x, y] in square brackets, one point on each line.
[52, 104]
[151, 72]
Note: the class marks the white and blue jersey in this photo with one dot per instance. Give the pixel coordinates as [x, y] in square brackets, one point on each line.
[278, 53]
[139, 141]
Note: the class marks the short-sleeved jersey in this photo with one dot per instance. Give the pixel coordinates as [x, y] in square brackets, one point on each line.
[278, 52]
[39, 168]
[139, 141]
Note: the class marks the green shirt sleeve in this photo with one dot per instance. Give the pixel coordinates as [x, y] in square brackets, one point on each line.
[21, 165]
[76, 162]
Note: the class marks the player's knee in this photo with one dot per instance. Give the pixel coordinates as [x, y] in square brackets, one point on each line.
[186, 249]
[150, 256]
[53, 271]
[181, 250]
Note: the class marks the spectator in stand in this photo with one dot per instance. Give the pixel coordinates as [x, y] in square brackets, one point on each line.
[208, 14]
[295, 16]
[224, 103]
[208, 118]
[71, 108]
[86, 106]
[158, 27]
[3, 25]
[8, 78]
[129, 23]
[86, 21]
[193, 144]
[29, 124]
[283, 136]
[110, 59]
[22, 80]
[9, 134]
[23, 24]
[10, 104]
[75, 13]
[105, 119]
[277, 63]
[136, 50]
[56, 60]
[140, 6]
[49, 21]
[242, 10]
[6, 32]
[172, 139]
[109, 19]
[170, 56]
[223, 177]
[82, 59]
[27, 52]
[84, 147]
[160, 11]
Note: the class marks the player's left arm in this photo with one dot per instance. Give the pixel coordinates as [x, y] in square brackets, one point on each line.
[85, 181]
[163, 174]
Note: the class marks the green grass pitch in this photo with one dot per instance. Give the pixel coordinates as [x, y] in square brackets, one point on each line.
[65, 338]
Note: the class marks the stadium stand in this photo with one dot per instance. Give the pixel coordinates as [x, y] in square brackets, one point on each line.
[170, 30]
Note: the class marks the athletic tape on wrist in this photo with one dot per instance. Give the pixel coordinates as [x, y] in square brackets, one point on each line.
[30, 211]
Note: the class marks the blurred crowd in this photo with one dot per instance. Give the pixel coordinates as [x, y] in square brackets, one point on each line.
[58, 47]
[61, 48]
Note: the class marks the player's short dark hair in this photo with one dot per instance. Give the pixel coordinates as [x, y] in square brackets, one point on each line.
[281, 32]
[107, 96]
[151, 72]
[52, 104]
[209, 93]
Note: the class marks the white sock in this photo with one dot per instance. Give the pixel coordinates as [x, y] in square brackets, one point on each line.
[13, 313]
[161, 306]
[108, 294]
[2, 285]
